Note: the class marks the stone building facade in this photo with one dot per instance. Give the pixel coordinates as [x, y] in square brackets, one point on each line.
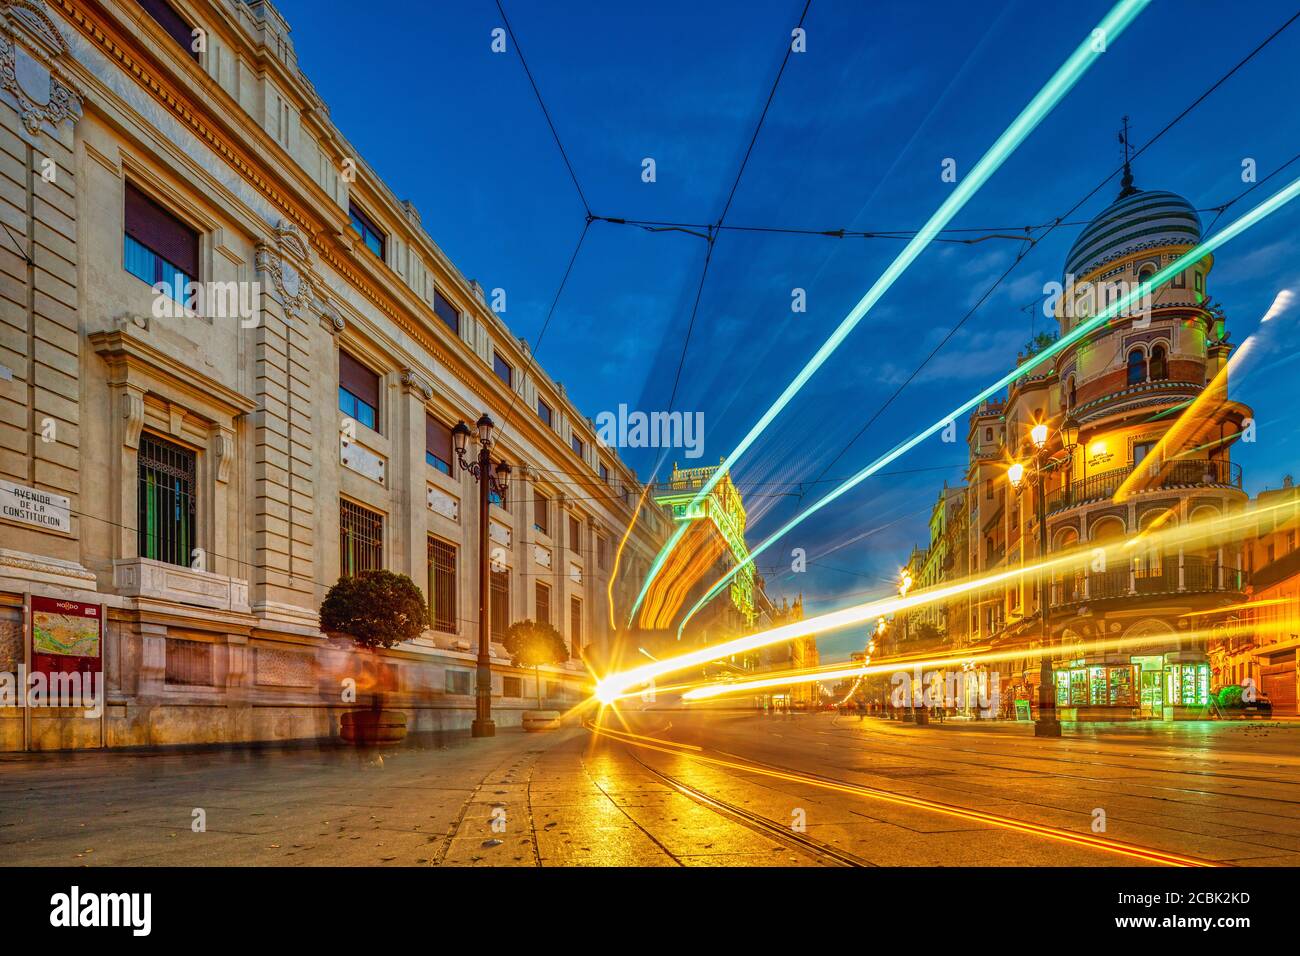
[1125, 386]
[230, 358]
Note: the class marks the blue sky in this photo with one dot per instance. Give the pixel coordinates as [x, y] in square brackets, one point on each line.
[855, 139]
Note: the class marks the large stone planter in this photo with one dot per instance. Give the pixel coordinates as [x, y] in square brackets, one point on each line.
[373, 727]
[536, 721]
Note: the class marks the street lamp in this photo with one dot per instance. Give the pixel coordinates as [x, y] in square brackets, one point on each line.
[489, 481]
[1047, 724]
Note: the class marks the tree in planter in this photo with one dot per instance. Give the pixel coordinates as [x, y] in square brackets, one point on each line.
[375, 609]
[532, 644]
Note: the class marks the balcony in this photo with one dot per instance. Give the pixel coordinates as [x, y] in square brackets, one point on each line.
[1195, 575]
[1182, 473]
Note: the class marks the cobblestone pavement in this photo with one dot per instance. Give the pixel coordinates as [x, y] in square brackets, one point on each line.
[1222, 792]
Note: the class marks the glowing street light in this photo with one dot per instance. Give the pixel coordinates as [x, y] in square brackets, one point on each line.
[1047, 724]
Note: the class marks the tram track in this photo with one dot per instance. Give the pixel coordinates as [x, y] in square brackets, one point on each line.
[1150, 855]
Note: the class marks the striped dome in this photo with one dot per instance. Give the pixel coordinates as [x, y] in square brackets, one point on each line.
[1139, 220]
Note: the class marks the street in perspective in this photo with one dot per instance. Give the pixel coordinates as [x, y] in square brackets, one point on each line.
[583, 442]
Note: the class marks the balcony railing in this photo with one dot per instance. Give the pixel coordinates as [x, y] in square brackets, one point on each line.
[1182, 473]
[1195, 575]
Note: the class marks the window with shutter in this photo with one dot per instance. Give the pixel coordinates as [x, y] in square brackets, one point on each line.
[358, 391]
[158, 247]
[437, 444]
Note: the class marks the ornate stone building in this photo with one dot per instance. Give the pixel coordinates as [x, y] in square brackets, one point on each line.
[230, 358]
[1124, 385]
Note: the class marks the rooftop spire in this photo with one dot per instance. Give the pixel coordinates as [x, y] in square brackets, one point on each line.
[1126, 184]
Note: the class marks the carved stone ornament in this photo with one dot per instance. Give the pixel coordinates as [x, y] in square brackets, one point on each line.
[30, 48]
[289, 264]
[416, 382]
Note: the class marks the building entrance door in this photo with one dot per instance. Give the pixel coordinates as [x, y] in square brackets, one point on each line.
[1153, 698]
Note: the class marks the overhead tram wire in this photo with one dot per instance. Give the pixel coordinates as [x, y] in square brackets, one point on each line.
[1064, 219]
[1062, 80]
[545, 112]
[988, 232]
[582, 196]
[1060, 221]
[710, 235]
[1243, 223]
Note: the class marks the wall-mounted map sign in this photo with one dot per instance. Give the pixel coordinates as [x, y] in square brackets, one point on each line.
[37, 508]
[66, 636]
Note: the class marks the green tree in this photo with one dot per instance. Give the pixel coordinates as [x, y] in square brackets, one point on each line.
[375, 609]
[532, 644]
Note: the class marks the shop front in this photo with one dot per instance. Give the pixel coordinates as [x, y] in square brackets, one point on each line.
[1141, 687]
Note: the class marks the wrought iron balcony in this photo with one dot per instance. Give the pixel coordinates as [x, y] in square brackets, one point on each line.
[1182, 473]
[1195, 575]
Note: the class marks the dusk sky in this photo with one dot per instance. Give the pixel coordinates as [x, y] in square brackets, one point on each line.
[854, 139]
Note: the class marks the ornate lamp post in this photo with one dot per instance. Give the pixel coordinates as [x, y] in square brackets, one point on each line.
[1046, 725]
[488, 482]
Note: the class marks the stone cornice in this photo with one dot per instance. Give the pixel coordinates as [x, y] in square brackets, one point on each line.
[126, 354]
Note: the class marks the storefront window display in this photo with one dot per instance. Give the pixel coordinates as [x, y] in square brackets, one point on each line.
[1097, 685]
[1187, 685]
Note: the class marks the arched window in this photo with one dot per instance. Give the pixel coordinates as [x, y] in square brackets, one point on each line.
[1137, 367]
[1159, 366]
[1071, 393]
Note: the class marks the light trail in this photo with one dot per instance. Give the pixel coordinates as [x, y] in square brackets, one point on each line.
[1092, 841]
[1212, 398]
[1061, 82]
[709, 691]
[618, 556]
[612, 687]
[1240, 225]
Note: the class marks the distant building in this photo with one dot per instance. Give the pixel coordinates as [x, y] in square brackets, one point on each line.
[1261, 639]
[1124, 384]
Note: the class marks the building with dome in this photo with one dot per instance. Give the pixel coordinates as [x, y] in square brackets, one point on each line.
[1125, 386]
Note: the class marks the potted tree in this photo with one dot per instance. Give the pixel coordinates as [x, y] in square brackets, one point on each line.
[532, 644]
[374, 609]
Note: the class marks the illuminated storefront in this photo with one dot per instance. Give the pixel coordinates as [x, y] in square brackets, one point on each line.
[1144, 687]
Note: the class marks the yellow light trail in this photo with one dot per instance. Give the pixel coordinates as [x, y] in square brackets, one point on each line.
[1092, 841]
[613, 686]
[1201, 409]
[708, 691]
[1145, 287]
[618, 556]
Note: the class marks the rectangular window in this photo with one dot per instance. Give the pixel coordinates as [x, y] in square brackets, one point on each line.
[541, 512]
[446, 311]
[358, 391]
[189, 663]
[458, 682]
[361, 539]
[544, 413]
[543, 603]
[579, 446]
[165, 501]
[365, 227]
[575, 625]
[173, 23]
[575, 535]
[604, 472]
[158, 247]
[602, 552]
[512, 687]
[499, 599]
[503, 369]
[442, 586]
[437, 444]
